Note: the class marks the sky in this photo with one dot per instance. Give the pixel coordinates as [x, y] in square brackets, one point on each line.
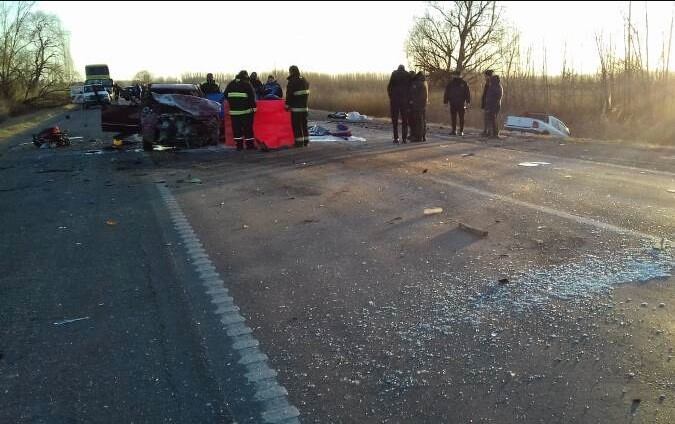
[169, 38]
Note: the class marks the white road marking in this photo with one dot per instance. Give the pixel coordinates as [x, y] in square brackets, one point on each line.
[545, 209]
[272, 397]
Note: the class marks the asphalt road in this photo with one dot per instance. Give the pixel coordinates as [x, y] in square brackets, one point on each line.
[217, 286]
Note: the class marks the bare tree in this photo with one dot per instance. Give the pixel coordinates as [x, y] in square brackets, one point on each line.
[45, 72]
[606, 56]
[459, 35]
[13, 42]
[144, 77]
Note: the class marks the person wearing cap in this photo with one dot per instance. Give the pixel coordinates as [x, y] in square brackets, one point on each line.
[241, 98]
[398, 90]
[210, 86]
[457, 93]
[486, 116]
[297, 97]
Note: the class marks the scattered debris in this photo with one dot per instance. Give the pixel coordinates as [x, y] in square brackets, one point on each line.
[477, 231]
[391, 221]
[533, 164]
[503, 281]
[467, 154]
[671, 190]
[111, 222]
[433, 211]
[195, 181]
[68, 321]
[49, 171]
[51, 137]
[425, 171]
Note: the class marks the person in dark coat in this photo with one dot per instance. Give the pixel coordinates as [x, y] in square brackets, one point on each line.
[419, 95]
[486, 116]
[272, 90]
[297, 100]
[398, 90]
[257, 85]
[241, 98]
[210, 86]
[493, 104]
[457, 93]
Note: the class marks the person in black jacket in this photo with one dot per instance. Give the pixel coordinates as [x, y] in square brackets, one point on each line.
[493, 104]
[398, 90]
[458, 95]
[241, 98]
[210, 86]
[257, 86]
[297, 97]
[486, 115]
[419, 95]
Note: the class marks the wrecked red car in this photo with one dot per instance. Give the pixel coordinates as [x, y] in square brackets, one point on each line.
[169, 115]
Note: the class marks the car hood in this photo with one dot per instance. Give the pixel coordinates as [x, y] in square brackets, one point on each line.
[195, 106]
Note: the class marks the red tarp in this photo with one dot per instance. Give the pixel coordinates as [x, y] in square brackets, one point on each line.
[271, 125]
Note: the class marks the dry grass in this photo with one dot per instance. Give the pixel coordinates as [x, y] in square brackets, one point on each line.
[644, 109]
[30, 121]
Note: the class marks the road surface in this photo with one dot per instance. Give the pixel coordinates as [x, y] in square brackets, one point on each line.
[309, 285]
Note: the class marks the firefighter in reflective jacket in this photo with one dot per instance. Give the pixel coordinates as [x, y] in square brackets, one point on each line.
[241, 98]
[297, 95]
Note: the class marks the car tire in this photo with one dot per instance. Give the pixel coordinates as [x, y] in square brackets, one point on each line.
[545, 132]
[147, 145]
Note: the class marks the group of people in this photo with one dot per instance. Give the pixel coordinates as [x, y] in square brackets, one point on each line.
[408, 97]
[244, 90]
[271, 90]
[409, 93]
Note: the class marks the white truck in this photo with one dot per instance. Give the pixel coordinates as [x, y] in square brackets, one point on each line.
[537, 123]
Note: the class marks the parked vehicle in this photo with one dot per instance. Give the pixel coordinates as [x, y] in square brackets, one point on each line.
[537, 123]
[95, 95]
[77, 94]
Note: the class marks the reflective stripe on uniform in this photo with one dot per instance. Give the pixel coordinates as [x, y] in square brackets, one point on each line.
[299, 109]
[240, 112]
[237, 94]
[300, 92]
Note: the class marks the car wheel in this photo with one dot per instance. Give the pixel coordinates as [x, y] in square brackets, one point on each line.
[545, 132]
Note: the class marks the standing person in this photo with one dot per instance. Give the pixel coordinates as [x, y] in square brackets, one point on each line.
[272, 90]
[458, 95]
[116, 92]
[241, 98]
[486, 115]
[410, 115]
[419, 96]
[297, 96]
[493, 104]
[398, 90]
[257, 85]
[210, 86]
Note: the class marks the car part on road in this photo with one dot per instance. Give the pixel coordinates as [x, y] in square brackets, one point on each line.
[433, 211]
[52, 136]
